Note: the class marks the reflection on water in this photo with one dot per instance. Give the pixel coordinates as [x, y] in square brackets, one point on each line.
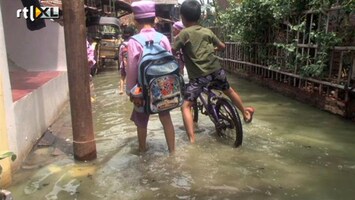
[290, 151]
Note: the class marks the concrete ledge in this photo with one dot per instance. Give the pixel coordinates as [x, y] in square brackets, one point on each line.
[35, 112]
[24, 82]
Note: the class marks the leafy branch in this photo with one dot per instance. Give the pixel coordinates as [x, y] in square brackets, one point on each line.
[268, 21]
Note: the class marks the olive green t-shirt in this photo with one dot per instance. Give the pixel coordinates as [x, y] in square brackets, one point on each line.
[197, 44]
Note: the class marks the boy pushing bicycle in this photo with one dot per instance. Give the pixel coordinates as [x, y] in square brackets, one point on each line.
[198, 45]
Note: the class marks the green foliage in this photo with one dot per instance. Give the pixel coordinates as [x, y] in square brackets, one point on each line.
[264, 22]
[251, 20]
[325, 41]
[8, 154]
[208, 19]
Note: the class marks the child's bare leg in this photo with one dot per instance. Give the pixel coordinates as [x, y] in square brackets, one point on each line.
[142, 138]
[122, 81]
[169, 131]
[188, 120]
[92, 90]
[237, 100]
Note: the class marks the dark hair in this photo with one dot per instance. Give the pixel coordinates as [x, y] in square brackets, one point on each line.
[128, 32]
[149, 20]
[191, 10]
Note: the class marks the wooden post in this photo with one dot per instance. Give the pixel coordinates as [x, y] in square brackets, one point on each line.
[78, 77]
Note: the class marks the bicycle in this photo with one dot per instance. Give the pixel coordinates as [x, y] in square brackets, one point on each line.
[222, 113]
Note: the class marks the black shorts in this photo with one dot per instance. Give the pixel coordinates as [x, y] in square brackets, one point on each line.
[194, 87]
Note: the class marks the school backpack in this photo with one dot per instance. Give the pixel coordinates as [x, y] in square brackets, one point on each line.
[158, 76]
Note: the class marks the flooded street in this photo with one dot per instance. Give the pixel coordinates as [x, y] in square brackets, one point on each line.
[290, 151]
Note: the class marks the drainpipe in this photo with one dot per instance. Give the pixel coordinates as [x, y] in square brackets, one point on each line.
[78, 78]
[5, 177]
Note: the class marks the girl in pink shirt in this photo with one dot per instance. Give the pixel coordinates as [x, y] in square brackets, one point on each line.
[123, 56]
[144, 14]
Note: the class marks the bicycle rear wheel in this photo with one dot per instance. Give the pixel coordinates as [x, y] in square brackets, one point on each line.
[229, 125]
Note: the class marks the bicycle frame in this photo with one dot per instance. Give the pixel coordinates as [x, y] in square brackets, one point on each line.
[206, 103]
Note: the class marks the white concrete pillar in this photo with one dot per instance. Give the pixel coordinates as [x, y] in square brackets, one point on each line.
[7, 122]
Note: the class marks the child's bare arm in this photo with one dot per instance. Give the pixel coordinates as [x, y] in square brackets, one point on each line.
[220, 46]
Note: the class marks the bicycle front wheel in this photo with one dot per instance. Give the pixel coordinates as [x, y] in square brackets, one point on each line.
[229, 125]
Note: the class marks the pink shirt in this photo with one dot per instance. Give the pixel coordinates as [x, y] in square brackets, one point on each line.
[135, 51]
[121, 53]
[91, 54]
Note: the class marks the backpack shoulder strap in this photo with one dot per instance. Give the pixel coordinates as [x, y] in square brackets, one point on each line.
[158, 37]
[140, 39]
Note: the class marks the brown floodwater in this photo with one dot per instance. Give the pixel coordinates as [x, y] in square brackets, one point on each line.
[290, 151]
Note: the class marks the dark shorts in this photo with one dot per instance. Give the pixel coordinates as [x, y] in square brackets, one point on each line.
[194, 87]
[141, 119]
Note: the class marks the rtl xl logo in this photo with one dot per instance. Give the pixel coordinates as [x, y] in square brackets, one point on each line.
[34, 13]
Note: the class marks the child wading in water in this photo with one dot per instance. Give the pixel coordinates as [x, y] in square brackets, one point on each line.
[144, 14]
[123, 55]
[91, 62]
[198, 45]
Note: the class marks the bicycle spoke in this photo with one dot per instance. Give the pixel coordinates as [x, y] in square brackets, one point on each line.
[227, 121]
[229, 126]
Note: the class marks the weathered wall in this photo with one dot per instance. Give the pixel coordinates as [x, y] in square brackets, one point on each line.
[6, 111]
[42, 50]
[37, 111]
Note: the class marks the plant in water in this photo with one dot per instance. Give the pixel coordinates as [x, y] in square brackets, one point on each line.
[4, 195]
[7, 154]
